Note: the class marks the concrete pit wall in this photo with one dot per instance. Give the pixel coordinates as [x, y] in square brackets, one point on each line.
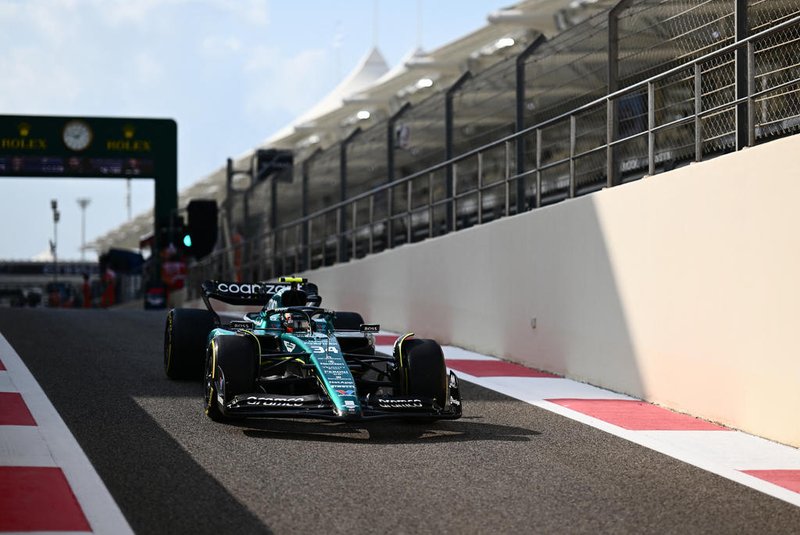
[682, 289]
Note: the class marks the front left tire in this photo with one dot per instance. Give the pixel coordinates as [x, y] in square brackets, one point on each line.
[422, 370]
[231, 369]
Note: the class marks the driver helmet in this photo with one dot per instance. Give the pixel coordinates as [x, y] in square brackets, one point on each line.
[294, 322]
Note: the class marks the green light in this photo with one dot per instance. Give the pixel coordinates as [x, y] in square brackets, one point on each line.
[187, 240]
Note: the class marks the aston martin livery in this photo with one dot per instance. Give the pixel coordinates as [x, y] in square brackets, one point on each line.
[294, 359]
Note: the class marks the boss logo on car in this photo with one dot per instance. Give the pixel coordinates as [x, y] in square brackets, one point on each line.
[400, 403]
[261, 401]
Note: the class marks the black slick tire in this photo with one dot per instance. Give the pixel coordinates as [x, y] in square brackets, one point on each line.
[185, 335]
[231, 369]
[423, 372]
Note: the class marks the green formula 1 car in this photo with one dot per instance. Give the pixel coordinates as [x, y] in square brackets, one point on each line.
[294, 359]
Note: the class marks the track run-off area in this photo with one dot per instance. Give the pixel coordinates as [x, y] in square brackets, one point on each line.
[510, 465]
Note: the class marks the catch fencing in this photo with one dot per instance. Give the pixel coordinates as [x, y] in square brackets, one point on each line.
[646, 87]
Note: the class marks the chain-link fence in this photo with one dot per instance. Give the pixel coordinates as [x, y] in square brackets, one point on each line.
[685, 89]
[776, 69]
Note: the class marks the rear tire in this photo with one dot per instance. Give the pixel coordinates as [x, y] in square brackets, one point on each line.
[422, 370]
[231, 369]
[347, 321]
[185, 337]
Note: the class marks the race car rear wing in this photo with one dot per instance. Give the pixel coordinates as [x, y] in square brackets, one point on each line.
[251, 293]
[241, 293]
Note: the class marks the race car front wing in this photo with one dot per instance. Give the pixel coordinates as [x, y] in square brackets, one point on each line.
[319, 406]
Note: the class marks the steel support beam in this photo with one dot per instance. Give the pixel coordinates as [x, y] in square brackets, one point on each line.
[449, 149]
[391, 143]
[520, 117]
[343, 250]
[743, 125]
[612, 118]
[306, 262]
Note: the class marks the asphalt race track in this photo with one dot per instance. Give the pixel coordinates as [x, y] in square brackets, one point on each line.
[505, 467]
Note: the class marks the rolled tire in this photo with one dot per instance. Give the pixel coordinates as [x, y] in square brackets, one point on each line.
[185, 337]
[237, 359]
[423, 372]
[231, 369]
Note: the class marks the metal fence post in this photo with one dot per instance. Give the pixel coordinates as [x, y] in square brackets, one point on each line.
[353, 237]
[538, 167]
[698, 110]
[751, 89]
[371, 223]
[612, 121]
[340, 238]
[651, 124]
[309, 251]
[449, 150]
[452, 197]
[572, 140]
[507, 149]
[273, 202]
[408, 211]
[520, 118]
[298, 256]
[306, 237]
[430, 205]
[480, 188]
[611, 136]
[343, 193]
[390, 174]
[743, 125]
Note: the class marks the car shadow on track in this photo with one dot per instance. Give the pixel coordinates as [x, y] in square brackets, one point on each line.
[483, 420]
[385, 432]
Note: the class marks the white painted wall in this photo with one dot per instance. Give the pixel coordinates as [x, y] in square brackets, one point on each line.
[682, 289]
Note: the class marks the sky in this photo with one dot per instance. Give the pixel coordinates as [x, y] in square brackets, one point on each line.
[230, 72]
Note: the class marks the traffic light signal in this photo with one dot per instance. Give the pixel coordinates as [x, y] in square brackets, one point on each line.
[201, 228]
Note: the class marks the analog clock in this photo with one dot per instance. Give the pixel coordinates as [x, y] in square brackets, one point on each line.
[77, 135]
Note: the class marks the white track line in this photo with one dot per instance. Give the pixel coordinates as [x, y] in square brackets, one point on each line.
[56, 441]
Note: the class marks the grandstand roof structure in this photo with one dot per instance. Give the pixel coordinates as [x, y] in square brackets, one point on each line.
[373, 91]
